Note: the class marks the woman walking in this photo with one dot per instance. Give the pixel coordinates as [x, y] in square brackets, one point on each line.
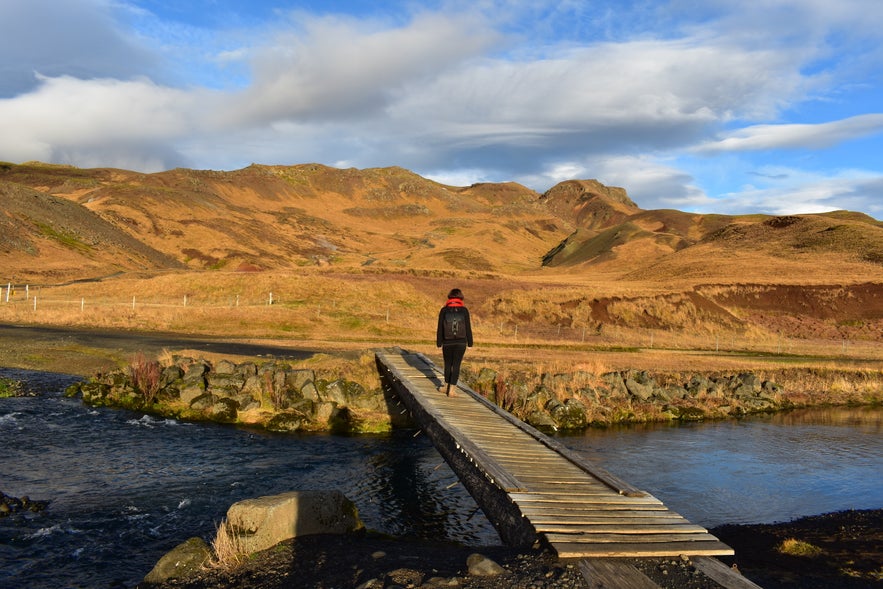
[453, 336]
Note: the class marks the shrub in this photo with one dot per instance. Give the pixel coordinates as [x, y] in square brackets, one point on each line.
[794, 547]
[146, 377]
[9, 388]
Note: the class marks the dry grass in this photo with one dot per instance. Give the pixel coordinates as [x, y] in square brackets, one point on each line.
[794, 547]
[542, 320]
[229, 552]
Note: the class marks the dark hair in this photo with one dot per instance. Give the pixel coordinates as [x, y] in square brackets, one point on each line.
[455, 294]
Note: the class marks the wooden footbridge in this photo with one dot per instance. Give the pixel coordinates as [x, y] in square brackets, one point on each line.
[534, 489]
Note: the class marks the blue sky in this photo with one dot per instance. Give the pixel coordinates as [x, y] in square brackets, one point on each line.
[714, 106]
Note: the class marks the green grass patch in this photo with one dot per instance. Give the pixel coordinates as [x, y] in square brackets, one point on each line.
[794, 547]
[9, 388]
[68, 240]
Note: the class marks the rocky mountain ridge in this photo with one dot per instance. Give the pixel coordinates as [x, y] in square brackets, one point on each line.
[63, 223]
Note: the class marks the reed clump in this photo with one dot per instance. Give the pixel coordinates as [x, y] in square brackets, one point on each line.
[146, 374]
[228, 550]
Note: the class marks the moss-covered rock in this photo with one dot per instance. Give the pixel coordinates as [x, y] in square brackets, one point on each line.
[273, 394]
[183, 562]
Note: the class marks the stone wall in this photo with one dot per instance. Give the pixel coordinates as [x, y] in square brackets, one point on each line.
[272, 395]
[574, 401]
[278, 397]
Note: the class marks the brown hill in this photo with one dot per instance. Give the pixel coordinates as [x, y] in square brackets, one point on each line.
[65, 223]
[44, 235]
[589, 204]
[271, 217]
[663, 245]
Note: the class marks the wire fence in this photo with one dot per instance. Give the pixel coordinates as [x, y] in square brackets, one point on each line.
[266, 309]
[25, 303]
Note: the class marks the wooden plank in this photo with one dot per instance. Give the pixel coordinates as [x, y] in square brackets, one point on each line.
[561, 497]
[488, 465]
[722, 574]
[562, 481]
[631, 518]
[574, 495]
[603, 573]
[639, 550]
[620, 538]
[531, 510]
[618, 528]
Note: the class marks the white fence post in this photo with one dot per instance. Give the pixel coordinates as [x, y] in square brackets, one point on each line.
[82, 304]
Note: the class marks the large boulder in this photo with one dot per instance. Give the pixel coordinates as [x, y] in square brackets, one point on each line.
[614, 383]
[542, 421]
[196, 371]
[184, 561]
[640, 384]
[266, 521]
[570, 415]
[482, 566]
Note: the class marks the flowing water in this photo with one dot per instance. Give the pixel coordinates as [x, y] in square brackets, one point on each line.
[125, 488]
[758, 470]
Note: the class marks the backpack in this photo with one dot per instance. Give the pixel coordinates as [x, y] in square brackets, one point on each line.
[454, 323]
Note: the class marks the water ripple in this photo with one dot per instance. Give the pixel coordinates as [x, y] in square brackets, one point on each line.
[125, 488]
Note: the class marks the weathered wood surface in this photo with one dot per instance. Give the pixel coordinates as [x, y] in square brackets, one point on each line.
[722, 574]
[604, 573]
[540, 487]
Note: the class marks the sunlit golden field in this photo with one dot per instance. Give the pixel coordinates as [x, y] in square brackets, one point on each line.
[323, 259]
[328, 311]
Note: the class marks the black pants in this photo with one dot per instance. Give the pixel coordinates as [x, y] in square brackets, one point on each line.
[453, 355]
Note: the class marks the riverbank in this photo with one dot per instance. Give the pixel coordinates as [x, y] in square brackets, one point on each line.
[537, 563]
[850, 556]
[843, 550]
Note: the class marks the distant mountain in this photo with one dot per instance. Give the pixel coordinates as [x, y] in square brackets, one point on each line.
[613, 235]
[64, 223]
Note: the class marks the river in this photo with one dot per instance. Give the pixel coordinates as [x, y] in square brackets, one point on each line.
[124, 488]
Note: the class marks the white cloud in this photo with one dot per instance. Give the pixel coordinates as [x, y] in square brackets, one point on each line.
[334, 68]
[796, 136]
[643, 88]
[787, 191]
[67, 120]
[471, 92]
